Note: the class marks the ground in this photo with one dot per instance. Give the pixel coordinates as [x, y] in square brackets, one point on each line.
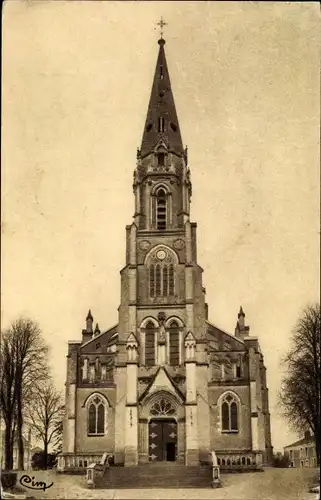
[273, 484]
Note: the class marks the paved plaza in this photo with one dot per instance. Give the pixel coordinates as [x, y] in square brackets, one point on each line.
[273, 484]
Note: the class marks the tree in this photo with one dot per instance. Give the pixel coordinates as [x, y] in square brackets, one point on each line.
[45, 415]
[281, 461]
[39, 461]
[24, 369]
[57, 438]
[7, 397]
[300, 389]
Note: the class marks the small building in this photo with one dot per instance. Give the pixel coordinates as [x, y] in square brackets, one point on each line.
[302, 453]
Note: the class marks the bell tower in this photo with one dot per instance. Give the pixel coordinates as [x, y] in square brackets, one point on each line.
[162, 297]
[162, 184]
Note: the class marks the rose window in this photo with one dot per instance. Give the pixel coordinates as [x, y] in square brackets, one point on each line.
[162, 408]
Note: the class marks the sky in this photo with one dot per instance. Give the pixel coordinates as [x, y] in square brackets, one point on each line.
[76, 80]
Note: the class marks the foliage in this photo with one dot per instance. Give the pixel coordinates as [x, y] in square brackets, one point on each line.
[300, 390]
[281, 461]
[39, 460]
[8, 479]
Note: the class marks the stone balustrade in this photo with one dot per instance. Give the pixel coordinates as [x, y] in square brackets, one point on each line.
[72, 463]
[239, 461]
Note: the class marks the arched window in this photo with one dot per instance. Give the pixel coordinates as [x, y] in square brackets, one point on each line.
[174, 344]
[161, 280]
[161, 209]
[96, 414]
[150, 344]
[229, 413]
[161, 273]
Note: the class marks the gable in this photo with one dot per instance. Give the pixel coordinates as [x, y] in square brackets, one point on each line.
[162, 382]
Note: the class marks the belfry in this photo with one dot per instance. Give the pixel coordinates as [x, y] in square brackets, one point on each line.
[165, 383]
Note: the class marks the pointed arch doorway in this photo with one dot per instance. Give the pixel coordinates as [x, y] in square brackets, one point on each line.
[162, 432]
[162, 440]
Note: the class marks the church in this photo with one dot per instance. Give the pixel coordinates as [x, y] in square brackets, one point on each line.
[164, 383]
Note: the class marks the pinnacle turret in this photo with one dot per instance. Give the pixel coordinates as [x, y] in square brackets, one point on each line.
[89, 322]
[241, 313]
[161, 121]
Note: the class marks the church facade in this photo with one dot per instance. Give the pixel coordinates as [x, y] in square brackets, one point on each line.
[164, 384]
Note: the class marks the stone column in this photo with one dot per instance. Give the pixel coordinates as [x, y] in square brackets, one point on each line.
[191, 448]
[131, 422]
[70, 422]
[254, 417]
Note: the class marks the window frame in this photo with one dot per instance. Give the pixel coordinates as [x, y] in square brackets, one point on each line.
[224, 403]
[149, 330]
[101, 403]
[173, 329]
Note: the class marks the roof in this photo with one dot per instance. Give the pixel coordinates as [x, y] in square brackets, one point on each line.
[110, 333]
[301, 442]
[220, 331]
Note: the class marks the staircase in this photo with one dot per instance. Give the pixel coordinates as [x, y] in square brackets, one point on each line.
[157, 475]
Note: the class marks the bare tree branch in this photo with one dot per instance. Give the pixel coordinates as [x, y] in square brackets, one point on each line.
[300, 390]
[24, 369]
[45, 413]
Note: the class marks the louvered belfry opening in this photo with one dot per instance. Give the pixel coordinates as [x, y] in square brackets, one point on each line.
[150, 344]
[161, 209]
[174, 344]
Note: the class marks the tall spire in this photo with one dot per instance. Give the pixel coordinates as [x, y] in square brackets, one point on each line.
[161, 121]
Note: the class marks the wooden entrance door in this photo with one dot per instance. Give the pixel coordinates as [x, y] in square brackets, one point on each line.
[162, 440]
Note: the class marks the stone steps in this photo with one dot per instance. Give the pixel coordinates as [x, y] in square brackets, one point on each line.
[157, 476]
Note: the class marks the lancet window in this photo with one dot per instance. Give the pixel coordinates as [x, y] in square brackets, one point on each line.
[174, 344]
[161, 209]
[161, 280]
[229, 412]
[96, 416]
[150, 344]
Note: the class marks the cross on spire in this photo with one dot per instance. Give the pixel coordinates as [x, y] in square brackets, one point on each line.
[161, 24]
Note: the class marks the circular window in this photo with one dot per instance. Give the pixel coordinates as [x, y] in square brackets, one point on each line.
[161, 254]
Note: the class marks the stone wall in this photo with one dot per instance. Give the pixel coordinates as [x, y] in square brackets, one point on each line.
[95, 444]
[242, 440]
